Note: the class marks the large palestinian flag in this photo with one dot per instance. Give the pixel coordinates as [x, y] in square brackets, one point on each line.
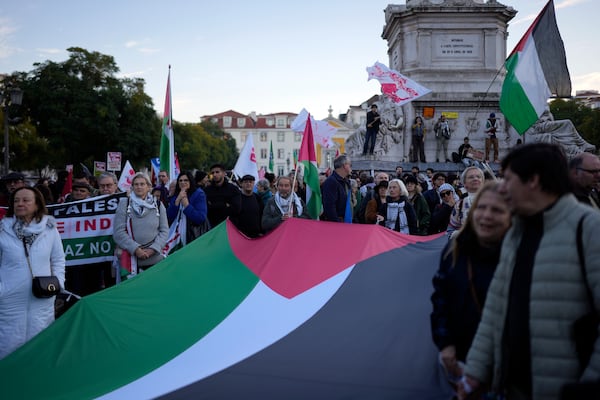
[535, 70]
[314, 310]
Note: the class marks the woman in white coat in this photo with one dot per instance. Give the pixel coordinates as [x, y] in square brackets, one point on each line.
[22, 315]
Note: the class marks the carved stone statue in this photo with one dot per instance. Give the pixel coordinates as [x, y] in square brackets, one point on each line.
[561, 132]
[392, 123]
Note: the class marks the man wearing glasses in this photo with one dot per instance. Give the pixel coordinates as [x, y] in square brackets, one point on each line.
[107, 183]
[584, 173]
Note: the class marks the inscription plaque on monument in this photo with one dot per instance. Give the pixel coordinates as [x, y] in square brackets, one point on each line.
[456, 46]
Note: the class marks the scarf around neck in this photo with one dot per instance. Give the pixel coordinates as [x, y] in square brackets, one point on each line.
[29, 232]
[284, 204]
[140, 206]
[396, 217]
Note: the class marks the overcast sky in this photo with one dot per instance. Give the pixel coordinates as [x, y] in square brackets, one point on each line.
[264, 56]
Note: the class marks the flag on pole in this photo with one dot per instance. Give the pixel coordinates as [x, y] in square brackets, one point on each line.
[308, 159]
[68, 186]
[322, 131]
[397, 87]
[246, 163]
[536, 69]
[167, 142]
[271, 158]
[125, 180]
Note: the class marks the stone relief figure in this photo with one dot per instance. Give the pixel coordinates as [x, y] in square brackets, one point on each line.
[392, 123]
[390, 131]
[561, 132]
[355, 142]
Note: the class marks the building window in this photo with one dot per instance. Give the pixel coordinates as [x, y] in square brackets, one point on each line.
[280, 154]
[243, 137]
[270, 122]
[281, 136]
[263, 154]
[227, 122]
[263, 136]
[280, 170]
[241, 122]
[214, 120]
[280, 123]
[297, 137]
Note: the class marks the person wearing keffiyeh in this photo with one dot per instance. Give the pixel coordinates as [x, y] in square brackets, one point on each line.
[283, 205]
[140, 224]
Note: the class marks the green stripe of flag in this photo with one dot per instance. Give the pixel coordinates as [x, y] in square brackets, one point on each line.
[164, 315]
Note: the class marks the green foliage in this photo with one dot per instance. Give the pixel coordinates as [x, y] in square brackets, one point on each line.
[585, 119]
[201, 145]
[78, 110]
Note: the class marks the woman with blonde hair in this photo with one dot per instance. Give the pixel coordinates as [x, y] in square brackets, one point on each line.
[466, 268]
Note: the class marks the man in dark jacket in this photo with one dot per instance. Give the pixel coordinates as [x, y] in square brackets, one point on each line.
[373, 122]
[249, 220]
[223, 199]
[336, 191]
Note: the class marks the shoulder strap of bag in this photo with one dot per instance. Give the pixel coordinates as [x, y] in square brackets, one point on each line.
[27, 256]
[581, 256]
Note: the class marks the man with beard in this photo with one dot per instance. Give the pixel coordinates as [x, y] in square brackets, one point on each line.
[283, 205]
[223, 199]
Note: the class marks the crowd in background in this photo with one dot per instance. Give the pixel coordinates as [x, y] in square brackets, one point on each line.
[502, 278]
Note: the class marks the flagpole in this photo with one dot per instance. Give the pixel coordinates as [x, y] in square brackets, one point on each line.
[487, 92]
[291, 210]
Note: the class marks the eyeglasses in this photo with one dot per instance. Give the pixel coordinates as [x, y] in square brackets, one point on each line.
[447, 193]
[590, 171]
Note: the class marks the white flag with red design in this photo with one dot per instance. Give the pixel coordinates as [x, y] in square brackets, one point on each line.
[125, 180]
[396, 86]
[322, 131]
[246, 163]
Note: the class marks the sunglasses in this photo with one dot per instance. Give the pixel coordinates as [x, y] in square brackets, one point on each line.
[447, 193]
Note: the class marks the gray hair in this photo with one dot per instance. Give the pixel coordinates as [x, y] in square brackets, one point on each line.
[403, 190]
[142, 175]
[264, 183]
[340, 161]
[110, 175]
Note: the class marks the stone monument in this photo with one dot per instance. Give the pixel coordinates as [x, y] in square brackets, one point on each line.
[456, 48]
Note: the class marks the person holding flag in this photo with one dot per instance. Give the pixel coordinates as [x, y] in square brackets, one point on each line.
[336, 192]
[283, 205]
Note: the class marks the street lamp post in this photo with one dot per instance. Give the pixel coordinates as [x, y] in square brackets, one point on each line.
[11, 96]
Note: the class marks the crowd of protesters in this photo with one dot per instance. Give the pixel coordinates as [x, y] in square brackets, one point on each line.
[520, 268]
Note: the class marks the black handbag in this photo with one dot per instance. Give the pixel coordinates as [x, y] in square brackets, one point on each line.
[42, 287]
[585, 328]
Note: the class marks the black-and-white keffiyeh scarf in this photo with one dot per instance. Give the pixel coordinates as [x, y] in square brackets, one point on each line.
[396, 217]
[284, 204]
[140, 206]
